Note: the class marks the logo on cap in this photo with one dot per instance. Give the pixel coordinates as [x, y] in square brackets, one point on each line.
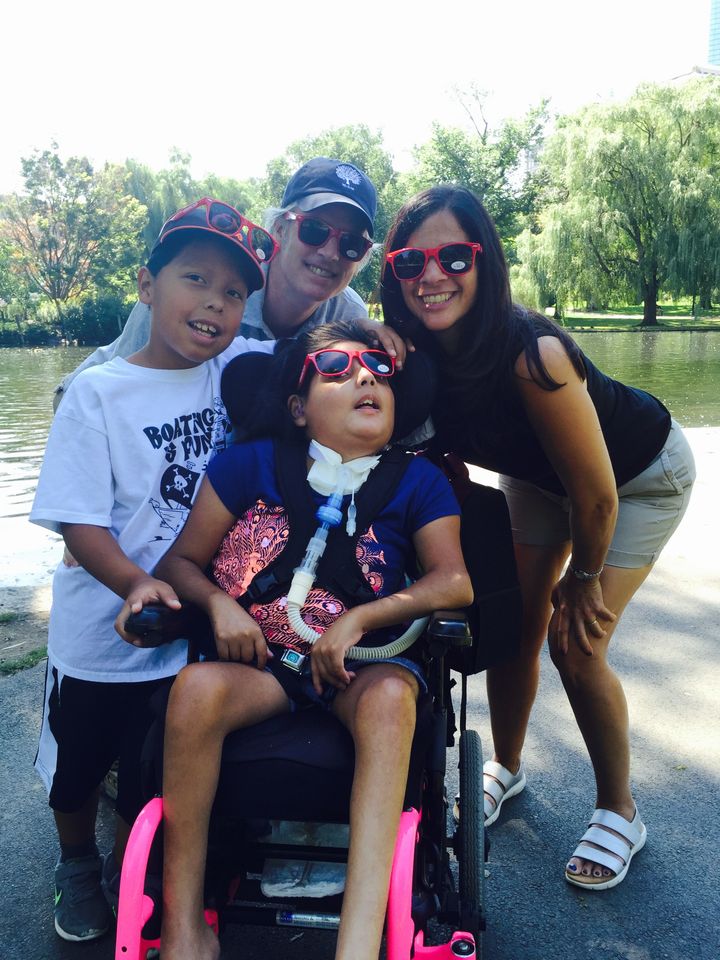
[349, 175]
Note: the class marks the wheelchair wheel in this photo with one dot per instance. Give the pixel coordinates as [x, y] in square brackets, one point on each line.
[470, 849]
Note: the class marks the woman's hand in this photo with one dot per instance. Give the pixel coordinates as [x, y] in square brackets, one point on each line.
[237, 636]
[580, 611]
[327, 655]
[390, 341]
[145, 590]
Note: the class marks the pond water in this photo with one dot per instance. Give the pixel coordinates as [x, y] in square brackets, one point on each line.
[682, 369]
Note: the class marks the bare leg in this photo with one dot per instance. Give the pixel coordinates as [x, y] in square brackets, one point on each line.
[378, 708]
[511, 687]
[600, 708]
[78, 828]
[208, 701]
[122, 833]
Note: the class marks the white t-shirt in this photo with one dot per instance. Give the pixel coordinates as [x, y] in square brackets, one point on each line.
[127, 450]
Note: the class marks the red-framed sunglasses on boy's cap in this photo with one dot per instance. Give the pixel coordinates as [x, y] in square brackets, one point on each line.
[454, 259]
[335, 363]
[214, 216]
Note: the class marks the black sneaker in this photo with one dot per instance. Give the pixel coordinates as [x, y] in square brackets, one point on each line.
[110, 881]
[81, 911]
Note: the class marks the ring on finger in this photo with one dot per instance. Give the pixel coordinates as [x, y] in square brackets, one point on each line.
[591, 623]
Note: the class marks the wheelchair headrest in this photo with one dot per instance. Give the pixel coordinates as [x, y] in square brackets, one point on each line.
[253, 398]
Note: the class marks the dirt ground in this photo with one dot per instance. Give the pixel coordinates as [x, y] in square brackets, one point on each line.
[24, 613]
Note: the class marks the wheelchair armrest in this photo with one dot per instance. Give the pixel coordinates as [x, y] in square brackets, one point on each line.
[448, 628]
[157, 624]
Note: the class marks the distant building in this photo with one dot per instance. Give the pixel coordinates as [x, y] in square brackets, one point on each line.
[712, 67]
[714, 37]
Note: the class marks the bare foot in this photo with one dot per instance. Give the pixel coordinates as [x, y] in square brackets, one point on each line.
[588, 872]
[189, 943]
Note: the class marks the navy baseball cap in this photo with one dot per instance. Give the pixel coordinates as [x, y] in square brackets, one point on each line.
[321, 181]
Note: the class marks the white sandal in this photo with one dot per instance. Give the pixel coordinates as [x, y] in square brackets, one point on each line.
[609, 850]
[499, 785]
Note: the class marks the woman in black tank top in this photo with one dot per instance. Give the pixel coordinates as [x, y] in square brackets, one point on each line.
[595, 473]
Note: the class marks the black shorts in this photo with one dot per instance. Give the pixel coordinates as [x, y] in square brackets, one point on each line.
[86, 726]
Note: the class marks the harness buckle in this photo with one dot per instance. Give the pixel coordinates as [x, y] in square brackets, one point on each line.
[293, 660]
[262, 584]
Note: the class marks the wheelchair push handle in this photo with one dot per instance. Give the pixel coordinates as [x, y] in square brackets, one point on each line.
[157, 624]
[448, 629]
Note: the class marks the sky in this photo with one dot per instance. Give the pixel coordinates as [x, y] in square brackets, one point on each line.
[232, 84]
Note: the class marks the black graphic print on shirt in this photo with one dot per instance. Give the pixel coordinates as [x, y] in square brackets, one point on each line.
[186, 444]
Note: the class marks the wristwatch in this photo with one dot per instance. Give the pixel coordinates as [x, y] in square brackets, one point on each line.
[583, 575]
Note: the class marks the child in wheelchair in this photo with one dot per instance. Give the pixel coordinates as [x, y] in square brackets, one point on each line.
[282, 649]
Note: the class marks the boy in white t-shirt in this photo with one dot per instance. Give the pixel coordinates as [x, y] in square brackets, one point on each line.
[125, 456]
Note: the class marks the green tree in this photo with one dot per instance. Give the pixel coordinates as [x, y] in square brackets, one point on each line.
[635, 203]
[164, 192]
[161, 193]
[73, 229]
[499, 164]
[16, 301]
[694, 252]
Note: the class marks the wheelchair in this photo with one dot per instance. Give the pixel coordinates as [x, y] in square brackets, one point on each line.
[282, 802]
[281, 811]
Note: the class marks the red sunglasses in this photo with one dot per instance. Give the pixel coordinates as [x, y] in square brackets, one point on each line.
[222, 218]
[335, 363]
[316, 233]
[454, 259]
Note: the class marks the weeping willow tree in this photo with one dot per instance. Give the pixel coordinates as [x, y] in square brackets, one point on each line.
[694, 261]
[165, 191]
[636, 199]
[564, 263]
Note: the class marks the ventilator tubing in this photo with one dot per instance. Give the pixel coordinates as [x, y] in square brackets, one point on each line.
[330, 515]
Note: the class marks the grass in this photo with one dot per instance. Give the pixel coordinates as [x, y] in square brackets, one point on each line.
[8, 667]
[671, 316]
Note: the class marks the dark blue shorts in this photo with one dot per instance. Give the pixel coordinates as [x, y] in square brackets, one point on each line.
[299, 688]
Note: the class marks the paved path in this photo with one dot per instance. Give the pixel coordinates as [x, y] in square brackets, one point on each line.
[667, 652]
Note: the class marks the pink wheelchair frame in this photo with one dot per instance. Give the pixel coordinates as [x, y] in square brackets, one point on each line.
[402, 941]
[405, 935]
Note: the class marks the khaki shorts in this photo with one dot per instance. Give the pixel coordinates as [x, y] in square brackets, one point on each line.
[651, 506]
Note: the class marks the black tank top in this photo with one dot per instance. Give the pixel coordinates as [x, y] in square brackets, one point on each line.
[634, 423]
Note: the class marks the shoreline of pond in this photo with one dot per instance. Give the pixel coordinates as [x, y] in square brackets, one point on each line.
[639, 329]
[712, 327]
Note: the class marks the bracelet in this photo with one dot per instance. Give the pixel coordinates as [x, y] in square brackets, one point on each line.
[583, 574]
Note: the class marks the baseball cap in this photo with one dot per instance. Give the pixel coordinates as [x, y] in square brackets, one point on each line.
[216, 217]
[321, 181]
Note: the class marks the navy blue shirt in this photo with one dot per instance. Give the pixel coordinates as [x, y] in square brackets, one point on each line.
[244, 478]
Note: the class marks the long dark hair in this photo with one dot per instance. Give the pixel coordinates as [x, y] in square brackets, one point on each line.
[494, 331]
